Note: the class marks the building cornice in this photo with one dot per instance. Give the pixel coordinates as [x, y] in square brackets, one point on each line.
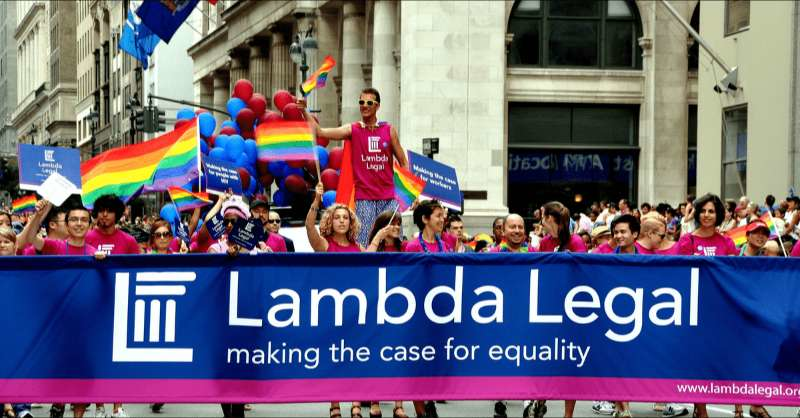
[28, 19]
[219, 34]
[574, 85]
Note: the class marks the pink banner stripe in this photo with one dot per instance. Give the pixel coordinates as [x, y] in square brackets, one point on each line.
[451, 388]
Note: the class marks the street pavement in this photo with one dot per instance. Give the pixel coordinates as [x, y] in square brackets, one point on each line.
[449, 409]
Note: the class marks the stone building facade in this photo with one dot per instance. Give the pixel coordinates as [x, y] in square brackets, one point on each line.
[521, 118]
[8, 77]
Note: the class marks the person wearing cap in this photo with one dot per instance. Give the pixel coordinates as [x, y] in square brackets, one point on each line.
[603, 244]
[233, 208]
[757, 236]
[259, 209]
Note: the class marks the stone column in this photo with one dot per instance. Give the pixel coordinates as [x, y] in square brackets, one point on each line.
[238, 67]
[353, 55]
[260, 66]
[222, 93]
[204, 91]
[385, 76]
[327, 34]
[282, 66]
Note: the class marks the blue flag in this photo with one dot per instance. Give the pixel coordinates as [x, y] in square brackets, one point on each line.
[137, 39]
[164, 17]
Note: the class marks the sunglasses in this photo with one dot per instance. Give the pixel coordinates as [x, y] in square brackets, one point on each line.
[366, 102]
[166, 234]
[230, 221]
[274, 221]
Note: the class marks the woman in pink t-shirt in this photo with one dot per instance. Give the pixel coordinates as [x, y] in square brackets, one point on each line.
[338, 227]
[429, 218]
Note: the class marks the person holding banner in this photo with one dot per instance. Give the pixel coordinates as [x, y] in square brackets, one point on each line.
[161, 239]
[374, 145]
[78, 221]
[338, 227]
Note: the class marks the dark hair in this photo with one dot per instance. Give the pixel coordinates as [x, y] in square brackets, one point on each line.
[612, 205]
[110, 203]
[663, 209]
[425, 208]
[7, 215]
[690, 198]
[499, 218]
[561, 215]
[633, 223]
[380, 222]
[645, 205]
[373, 91]
[770, 200]
[52, 216]
[450, 219]
[730, 205]
[719, 208]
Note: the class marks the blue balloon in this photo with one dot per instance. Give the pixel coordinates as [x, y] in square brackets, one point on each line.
[252, 188]
[204, 147]
[278, 168]
[251, 150]
[322, 155]
[221, 141]
[207, 124]
[280, 198]
[234, 105]
[241, 160]
[293, 170]
[169, 213]
[328, 198]
[217, 153]
[234, 147]
[185, 113]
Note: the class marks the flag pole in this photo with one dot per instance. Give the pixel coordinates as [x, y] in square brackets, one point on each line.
[199, 162]
[771, 219]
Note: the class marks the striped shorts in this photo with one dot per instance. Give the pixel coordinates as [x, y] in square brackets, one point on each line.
[367, 211]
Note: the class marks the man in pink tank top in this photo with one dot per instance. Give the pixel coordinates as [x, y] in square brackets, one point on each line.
[373, 145]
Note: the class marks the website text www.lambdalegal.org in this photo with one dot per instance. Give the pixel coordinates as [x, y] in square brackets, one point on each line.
[748, 389]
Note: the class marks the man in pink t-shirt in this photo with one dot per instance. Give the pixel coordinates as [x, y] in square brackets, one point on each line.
[56, 224]
[106, 237]
[373, 147]
[78, 222]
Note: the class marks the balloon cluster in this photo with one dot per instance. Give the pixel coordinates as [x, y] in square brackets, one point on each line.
[235, 142]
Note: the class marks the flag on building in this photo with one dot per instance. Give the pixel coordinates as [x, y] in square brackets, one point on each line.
[319, 77]
[124, 171]
[164, 17]
[24, 204]
[185, 200]
[407, 187]
[137, 39]
[285, 141]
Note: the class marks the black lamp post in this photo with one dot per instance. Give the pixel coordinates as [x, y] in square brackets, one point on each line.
[301, 48]
[93, 117]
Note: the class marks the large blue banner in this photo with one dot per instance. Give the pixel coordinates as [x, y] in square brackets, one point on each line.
[316, 327]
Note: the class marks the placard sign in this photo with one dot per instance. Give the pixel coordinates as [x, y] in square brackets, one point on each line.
[441, 179]
[246, 233]
[216, 226]
[221, 176]
[37, 163]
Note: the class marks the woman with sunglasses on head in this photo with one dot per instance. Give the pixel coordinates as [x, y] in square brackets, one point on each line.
[374, 145]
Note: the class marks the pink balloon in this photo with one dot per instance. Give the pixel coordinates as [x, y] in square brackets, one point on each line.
[296, 184]
[281, 98]
[243, 89]
[257, 103]
[292, 112]
[330, 179]
[335, 156]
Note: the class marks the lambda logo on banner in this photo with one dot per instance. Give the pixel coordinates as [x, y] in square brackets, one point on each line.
[48, 155]
[153, 286]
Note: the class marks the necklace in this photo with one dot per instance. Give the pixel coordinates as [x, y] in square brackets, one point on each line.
[425, 246]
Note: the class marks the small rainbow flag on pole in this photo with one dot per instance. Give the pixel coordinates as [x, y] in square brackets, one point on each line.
[407, 187]
[739, 235]
[285, 141]
[319, 77]
[24, 204]
[185, 200]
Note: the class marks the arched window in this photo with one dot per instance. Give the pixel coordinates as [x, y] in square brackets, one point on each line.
[575, 33]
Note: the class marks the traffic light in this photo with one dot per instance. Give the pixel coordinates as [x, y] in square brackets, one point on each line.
[141, 120]
[159, 119]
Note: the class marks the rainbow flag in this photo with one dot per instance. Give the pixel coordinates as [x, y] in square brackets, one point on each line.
[319, 77]
[346, 191]
[185, 200]
[156, 164]
[407, 187]
[24, 204]
[285, 141]
[739, 235]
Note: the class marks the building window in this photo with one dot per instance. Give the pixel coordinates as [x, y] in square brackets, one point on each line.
[575, 33]
[737, 16]
[532, 125]
[734, 153]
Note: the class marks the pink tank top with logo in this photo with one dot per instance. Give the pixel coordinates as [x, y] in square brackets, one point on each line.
[334, 247]
[372, 157]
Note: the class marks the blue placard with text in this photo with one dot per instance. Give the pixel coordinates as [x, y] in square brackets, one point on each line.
[441, 180]
[37, 163]
[221, 176]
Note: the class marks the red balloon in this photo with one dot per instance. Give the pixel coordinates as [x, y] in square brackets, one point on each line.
[292, 112]
[262, 167]
[180, 123]
[245, 119]
[281, 98]
[245, 176]
[210, 141]
[335, 156]
[199, 111]
[296, 184]
[228, 130]
[248, 134]
[322, 141]
[270, 116]
[330, 179]
[243, 89]
[311, 166]
[297, 163]
[266, 179]
[258, 103]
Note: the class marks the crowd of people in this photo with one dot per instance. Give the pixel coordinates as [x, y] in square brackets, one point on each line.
[695, 227]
